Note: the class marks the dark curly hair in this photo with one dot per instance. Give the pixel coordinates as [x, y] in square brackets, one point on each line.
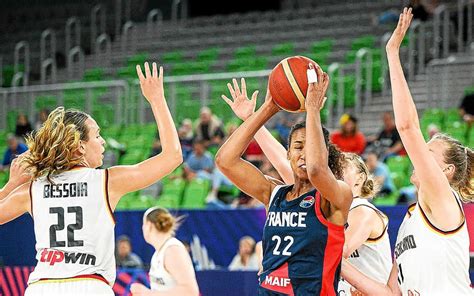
[336, 159]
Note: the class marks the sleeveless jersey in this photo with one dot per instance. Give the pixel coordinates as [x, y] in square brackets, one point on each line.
[302, 251]
[431, 261]
[373, 257]
[160, 279]
[74, 226]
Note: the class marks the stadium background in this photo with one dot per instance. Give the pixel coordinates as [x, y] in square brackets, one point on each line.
[82, 55]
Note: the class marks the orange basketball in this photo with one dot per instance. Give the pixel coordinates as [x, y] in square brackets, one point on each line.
[288, 83]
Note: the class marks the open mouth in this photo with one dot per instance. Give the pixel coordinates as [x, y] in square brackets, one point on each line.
[302, 166]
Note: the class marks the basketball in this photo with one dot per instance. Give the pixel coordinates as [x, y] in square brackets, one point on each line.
[288, 83]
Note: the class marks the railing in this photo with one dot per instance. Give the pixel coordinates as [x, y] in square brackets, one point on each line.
[337, 96]
[75, 52]
[97, 23]
[416, 49]
[48, 59]
[153, 22]
[129, 38]
[73, 33]
[103, 50]
[363, 61]
[464, 6]
[21, 75]
[24, 98]
[441, 32]
[447, 80]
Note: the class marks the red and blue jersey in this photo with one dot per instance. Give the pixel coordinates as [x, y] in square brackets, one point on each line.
[302, 251]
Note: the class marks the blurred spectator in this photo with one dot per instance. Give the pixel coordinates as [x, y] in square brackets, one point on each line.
[23, 126]
[156, 147]
[283, 127]
[349, 138]
[246, 259]
[199, 163]
[186, 135]
[466, 109]
[15, 148]
[388, 142]
[432, 130]
[124, 257]
[419, 10]
[42, 116]
[209, 128]
[254, 153]
[381, 173]
[218, 180]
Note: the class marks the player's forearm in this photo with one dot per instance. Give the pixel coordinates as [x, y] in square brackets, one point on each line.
[167, 130]
[276, 154]
[404, 107]
[363, 283]
[236, 145]
[316, 150]
[7, 189]
[184, 290]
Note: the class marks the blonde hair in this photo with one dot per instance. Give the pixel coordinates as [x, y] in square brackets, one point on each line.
[163, 220]
[369, 187]
[52, 149]
[462, 158]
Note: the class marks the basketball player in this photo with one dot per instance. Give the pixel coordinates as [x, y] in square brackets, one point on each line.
[303, 236]
[432, 247]
[72, 202]
[367, 242]
[171, 271]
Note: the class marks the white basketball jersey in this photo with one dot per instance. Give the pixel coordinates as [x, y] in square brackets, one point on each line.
[74, 226]
[431, 261]
[373, 257]
[160, 278]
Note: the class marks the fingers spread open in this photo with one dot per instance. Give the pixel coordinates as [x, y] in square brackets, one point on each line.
[227, 100]
[155, 70]
[140, 73]
[147, 70]
[244, 86]
[231, 90]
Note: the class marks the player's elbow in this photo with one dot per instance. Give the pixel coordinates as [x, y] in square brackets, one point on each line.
[222, 160]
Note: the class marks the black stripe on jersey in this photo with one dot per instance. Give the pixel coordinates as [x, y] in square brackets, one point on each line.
[107, 195]
[31, 197]
[381, 215]
[410, 209]
[436, 228]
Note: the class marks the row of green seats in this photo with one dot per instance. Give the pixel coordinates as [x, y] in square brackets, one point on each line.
[400, 170]
[450, 122]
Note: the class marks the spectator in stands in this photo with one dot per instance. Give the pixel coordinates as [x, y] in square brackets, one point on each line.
[124, 257]
[186, 135]
[466, 109]
[199, 163]
[42, 116]
[209, 128]
[388, 141]
[15, 148]
[23, 126]
[381, 173]
[349, 138]
[246, 259]
[254, 153]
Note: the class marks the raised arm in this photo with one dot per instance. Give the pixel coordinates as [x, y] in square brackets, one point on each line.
[369, 286]
[15, 204]
[124, 179]
[433, 184]
[358, 231]
[320, 175]
[239, 171]
[273, 150]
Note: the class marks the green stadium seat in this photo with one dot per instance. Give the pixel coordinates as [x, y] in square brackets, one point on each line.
[172, 192]
[457, 130]
[469, 90]
[133, 157]
[451, 115]
[95, 74]
[195, 194]
[324, 45]
[389, 200]
[208, 55]
[367, 41]
[287, 49]
[129, 72]
[399, 164]
[138, 59]
[245, 52]
[172, 57]
[140, 202]
[46, 102]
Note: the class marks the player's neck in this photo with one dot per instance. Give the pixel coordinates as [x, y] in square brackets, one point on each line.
[160, 239]
[301, 187]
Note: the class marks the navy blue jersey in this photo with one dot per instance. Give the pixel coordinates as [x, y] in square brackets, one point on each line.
[302, 251]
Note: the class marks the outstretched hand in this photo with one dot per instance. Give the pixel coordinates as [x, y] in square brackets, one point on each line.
[151, 83]
[240, 103]
[393, 44]
[316, 94]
